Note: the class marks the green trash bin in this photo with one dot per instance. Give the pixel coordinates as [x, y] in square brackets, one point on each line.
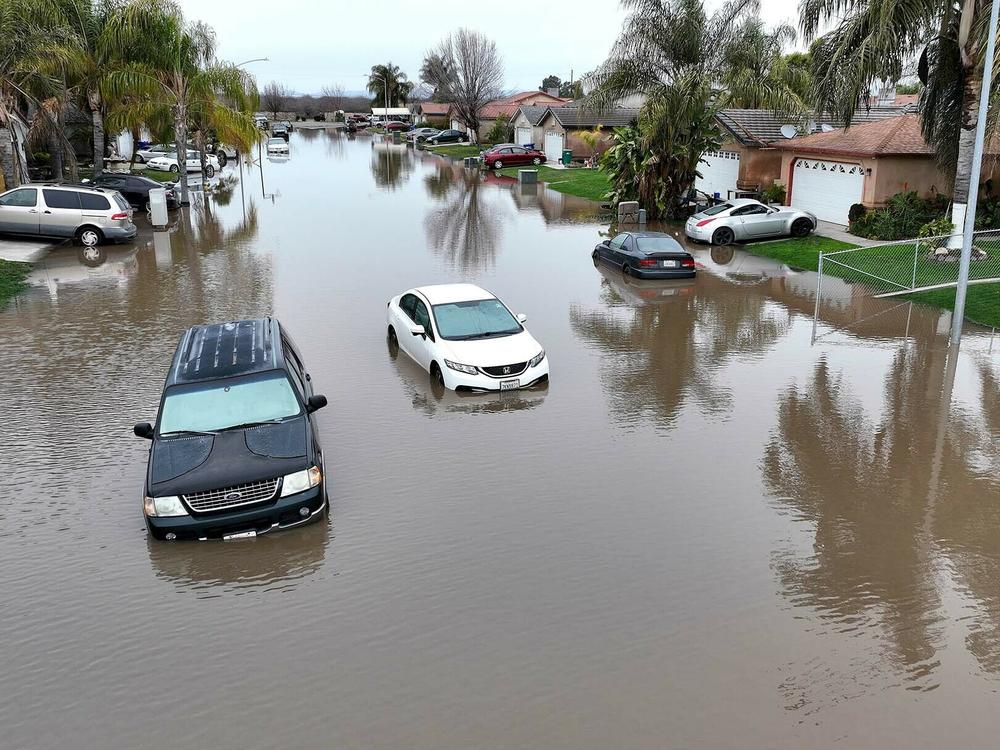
[567, 156]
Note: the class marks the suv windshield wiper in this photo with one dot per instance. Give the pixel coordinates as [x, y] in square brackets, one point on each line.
[173, 433]
[247, 425]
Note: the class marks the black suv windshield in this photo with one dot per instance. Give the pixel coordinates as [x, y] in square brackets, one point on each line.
[221, 404]
[478, 319]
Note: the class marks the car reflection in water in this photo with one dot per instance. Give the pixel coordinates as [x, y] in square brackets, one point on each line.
[432, 399]
[281, 562]
[67, 265]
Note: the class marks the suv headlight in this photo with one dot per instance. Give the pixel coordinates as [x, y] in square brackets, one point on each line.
[467, 369]
[537, 359]
[300, 481]
[161, 507]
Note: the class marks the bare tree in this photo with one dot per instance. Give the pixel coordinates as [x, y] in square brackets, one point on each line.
[466, 70]
[335, 94]
[273, 97]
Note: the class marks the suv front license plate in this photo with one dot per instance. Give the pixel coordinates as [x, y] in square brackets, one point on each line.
[239, 535]
[510, 385]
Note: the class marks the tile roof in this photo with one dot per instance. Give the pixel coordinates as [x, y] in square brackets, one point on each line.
[525, 95]
[759, 126]
[533, 115]
[583, 117]
[896, 136]
[434, 108]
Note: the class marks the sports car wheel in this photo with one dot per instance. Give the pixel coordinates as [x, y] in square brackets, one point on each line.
[723, 236]
[801, 228]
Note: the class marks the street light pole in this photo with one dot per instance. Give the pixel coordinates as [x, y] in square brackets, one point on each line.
[256, 59]
[977, 166]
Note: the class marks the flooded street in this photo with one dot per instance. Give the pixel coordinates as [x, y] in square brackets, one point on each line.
[706, 532]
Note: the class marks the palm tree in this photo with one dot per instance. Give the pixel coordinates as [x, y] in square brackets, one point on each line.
[180, 75]
[873, 42]
[755, 74]
[389, 86]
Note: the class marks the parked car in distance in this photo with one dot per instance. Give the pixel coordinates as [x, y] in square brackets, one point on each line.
[397, 125]
[419, 135]
[745, 219]
[260, 121]
[169, 163]
[647, 255]
[277, 146]
[222, 152]
[279, 130]
[234, 450]
[448, 136]
[91, 215]
[466, 338]
[135, 188]
[506, 155]
[151, 152]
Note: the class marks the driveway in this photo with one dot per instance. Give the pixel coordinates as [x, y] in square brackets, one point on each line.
[838, 232]
[24, 251]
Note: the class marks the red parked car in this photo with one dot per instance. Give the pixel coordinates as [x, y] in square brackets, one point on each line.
[505, 155]
[396, 125]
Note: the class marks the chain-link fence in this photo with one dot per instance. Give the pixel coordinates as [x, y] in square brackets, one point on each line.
[915, 265]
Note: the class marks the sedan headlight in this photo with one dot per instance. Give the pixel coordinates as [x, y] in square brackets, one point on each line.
[161, 507]
[467, 369]
[301, 481]
[537, 359]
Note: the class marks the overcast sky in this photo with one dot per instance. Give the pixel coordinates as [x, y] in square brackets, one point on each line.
[312, 43]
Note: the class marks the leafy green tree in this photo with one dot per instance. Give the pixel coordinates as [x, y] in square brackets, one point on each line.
[550, 82]
[871, 42]
[387, 83]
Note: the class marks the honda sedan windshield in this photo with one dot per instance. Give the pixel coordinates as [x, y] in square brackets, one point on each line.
[475, 319]
[208, 407]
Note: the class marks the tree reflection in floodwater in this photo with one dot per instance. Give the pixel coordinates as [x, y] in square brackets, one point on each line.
[663, 349]
[392, 164]
[464, 228]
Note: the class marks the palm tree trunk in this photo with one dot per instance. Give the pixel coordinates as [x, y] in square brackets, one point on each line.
[966, 146]
[97, 117]
[56, 155]
[180, 138]
[199, 138]
[135, 147]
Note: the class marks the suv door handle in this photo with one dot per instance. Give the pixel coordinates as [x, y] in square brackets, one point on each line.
[47, 211]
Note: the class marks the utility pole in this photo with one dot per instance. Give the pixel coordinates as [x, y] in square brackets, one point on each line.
[977, 165]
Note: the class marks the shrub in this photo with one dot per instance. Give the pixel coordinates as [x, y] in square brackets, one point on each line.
[856, 212]
[773, 194]
[500, 132]
[902, 217]
[988, 214]
[423, 124]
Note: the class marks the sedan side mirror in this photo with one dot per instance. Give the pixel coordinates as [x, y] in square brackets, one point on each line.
[143, 430]
[417, 330]
[522, 318]
[315, 403]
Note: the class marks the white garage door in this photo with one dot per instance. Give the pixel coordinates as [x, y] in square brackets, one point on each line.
[827, 189]
[522, 136]
[553, 146]
[719, 172]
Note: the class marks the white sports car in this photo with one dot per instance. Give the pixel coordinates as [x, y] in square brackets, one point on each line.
[466, 338]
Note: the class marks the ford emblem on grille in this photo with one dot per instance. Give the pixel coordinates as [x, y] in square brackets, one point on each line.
[506, 371]
[232, 497]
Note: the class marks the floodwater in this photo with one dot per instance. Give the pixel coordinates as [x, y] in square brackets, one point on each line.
[708, 531]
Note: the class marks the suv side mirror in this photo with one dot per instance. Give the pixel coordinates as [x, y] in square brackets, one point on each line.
[143, 430]
[315, 403]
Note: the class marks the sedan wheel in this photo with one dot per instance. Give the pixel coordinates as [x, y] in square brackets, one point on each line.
[498, 164]
[210, 170]
[174, 168]
[437, 377]
[801, 228]
[223, 159]
[723, 236]
[139, 159]
[536, 161]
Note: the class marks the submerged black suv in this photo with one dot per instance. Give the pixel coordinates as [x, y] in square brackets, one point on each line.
[234, 450]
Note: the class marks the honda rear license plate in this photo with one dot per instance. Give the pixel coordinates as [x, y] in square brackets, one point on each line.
[670, 264]
[239, 535]
[509, 385]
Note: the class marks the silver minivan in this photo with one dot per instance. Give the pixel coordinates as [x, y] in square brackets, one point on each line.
[91, 215]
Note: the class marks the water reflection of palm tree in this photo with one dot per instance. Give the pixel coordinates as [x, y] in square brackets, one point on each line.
[665, 348]
[871, 492]
[465, 229]
[391, 165]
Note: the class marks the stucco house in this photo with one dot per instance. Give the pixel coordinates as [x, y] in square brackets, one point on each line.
[748, 159]
[826, 173]
[507, 108]
[436, 113]
[527, 128]
[561, 127]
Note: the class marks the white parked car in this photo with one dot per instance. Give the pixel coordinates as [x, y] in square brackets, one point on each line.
[466, 338]
[277, 146]
[168, 163]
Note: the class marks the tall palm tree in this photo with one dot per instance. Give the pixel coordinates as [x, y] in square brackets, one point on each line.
[755, 74]
[180, 73]
[874, 41]
[389, 86]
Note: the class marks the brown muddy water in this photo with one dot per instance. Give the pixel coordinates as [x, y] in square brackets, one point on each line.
[707, 532]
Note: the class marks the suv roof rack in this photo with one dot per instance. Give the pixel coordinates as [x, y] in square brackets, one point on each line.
[222, 350]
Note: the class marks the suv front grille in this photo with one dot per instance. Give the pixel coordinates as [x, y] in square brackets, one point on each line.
[505, 371]
[232, 497]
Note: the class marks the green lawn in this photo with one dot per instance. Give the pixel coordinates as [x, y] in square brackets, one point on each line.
[12, 277]
[155, 174]
[592, 184]
[894, 262]
[460, 150]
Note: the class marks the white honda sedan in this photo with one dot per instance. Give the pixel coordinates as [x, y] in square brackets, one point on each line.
[466, 338]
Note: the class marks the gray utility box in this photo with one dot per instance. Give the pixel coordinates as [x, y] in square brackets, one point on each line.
[628, 212]
[158, 207]
[527, 176]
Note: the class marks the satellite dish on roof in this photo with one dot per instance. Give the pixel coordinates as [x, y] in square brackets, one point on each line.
[789, 131]
[827, 128]
[811, 127]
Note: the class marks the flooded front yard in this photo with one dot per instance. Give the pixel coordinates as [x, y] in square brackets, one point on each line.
[706, 532]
